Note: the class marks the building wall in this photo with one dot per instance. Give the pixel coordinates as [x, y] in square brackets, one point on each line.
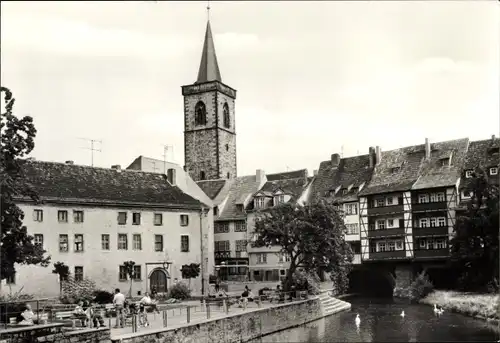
[408, 220]
[363, 223]
[227, 157]
[232, 236]
[102, 266]
[201, 153]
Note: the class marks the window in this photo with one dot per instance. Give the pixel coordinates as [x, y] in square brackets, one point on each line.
[78, 242]
[389, 201]
[262, 258]
[184, 220]
[422, 244]
[241, 245]
[240, 226]
[433, 222]
[78, 216]
[221, 227]
[105, 242]
[227, 120]
[391, 246]
[424, 222]
[158, 242]
[122, 218]
[344, 191]
[200, 114]
[445, 162]
[228, 175]
[395, 169]
[63, 243]
[351, 209]
[279, 199]
[440, 197]
[136, 218]
[466, 195]
[158, 219]
[137, 273]
[122, 274]
[430, 243]
[221, 246]
[494, 171]
[381, 246]
[432, 197]
[441, 221]
[184, 243]
[390, 222]
[260, 202]
[216, 211]
[136, 242]
[78, 273]
[423, 198]
[122, 241]
[373, 247]
[352, 229]
[62, 216]
[202, 175]
[283, 257]
[469, 173]
[11, 280]
[379, 203]
[227, 147]
[38, 239]
[38, 215]
[399, 245]
[440, 243]
[380, 224]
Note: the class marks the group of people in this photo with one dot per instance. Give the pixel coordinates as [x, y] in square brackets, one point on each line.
[124, 307]
[84, 311]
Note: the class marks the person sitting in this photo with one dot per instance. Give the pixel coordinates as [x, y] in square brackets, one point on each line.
[79, 313]
[148, 302]
[94, 316]
[27, 316]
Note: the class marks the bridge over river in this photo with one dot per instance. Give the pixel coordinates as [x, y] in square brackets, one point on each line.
[381, 322]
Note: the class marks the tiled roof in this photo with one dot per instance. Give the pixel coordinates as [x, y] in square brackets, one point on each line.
[432, 174]
[211, 187]
[293, 187]
[240, 187]
[287, 175]
[351, 171]
[481, 154]
[59, 181]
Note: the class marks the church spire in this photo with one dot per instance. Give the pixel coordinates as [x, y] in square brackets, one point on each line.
[209, 68]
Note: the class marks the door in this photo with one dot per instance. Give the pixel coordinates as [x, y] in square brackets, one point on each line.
[158, 280]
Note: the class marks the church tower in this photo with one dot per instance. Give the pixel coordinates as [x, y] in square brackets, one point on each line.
[209, 121]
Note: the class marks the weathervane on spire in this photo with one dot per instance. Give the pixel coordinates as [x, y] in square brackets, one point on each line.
[208, 9]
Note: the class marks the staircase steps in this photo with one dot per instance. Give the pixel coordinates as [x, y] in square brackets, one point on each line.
[331, 305]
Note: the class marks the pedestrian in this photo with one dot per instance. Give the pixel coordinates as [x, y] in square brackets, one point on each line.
[217, 285]
[119, 302]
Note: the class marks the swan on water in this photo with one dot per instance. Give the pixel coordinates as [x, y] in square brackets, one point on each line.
[436, 310]
[403, 314]
[357, 320]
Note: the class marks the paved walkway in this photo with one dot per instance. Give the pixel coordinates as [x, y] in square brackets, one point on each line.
[178, 317]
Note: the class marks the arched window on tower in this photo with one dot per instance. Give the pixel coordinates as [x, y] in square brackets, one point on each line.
[202, 175]
[227, 120]
[200, 114]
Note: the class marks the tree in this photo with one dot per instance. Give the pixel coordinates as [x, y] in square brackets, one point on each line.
[474, 248]
[130, 271]
[17, 137]
[312, 236]
[63, 271]
[190, 271]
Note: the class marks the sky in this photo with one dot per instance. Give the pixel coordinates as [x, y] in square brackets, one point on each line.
[313, 78]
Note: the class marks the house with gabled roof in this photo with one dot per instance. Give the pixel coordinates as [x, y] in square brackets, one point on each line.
[94, 219]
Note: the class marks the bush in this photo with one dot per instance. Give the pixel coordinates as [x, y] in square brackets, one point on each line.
[75, 291]
[420, 287]
[103, 297]
[179, 291]
[306, 281]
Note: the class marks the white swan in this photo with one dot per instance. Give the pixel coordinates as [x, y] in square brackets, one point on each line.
[441, 311]
[403, 314]
[436, 310]
[357, 320]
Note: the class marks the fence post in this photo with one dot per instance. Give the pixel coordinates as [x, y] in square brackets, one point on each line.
[38, 311]
[188, 314]
[165, 320]
[259, 301]
[208, 311]
[204, 305]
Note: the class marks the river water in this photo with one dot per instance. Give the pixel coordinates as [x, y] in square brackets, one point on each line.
[381, 321]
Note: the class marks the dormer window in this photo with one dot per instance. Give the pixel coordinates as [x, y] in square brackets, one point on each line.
[216, 211]
[239, 207]
[260, 202]
[494, 171]
[466, 195]
[354, 189]
[395, 169]
[469, 173]
[279, 199]
[344, 191]
[445, 162]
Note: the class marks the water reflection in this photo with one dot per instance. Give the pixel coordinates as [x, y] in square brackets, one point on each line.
[381, 321]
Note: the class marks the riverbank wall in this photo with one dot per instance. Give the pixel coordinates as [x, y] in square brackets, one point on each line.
[238, 327]
[482, 306]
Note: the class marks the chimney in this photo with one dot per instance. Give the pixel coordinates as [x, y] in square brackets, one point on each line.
[315, 172]
[69, 162]
[335, 160]
[260, 175]
[371, 156]
[378, 155]
[171, 176]
[427, 149]
[117, 167]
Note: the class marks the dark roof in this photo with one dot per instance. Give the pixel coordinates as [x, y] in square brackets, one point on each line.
[351, 171]
[293, 187]
[287, 175]
[433, 174]
[59, 181]
[211, 187]
[481, 154]
[240, 192]
[209, 68]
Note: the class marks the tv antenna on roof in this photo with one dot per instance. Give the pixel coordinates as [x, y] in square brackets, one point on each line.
[166, 148]
[92, 149]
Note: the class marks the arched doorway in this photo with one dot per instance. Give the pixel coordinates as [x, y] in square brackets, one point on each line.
[158, 280]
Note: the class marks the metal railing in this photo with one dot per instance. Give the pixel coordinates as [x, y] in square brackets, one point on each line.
[10, 311]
